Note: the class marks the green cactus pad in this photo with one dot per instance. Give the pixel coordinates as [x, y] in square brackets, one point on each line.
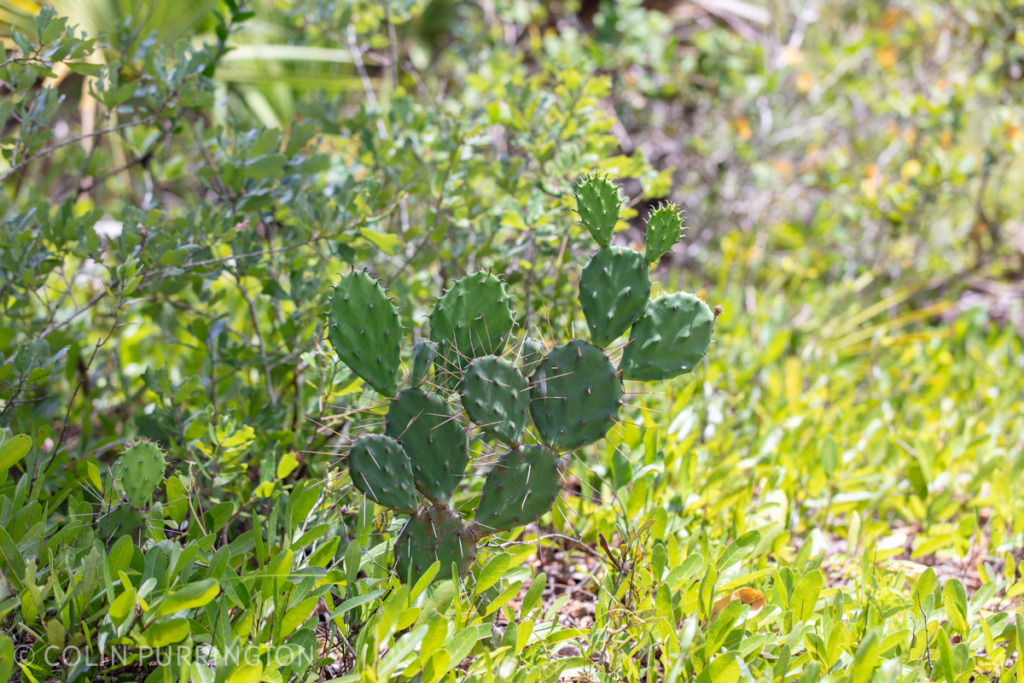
[496, 397]
[598, 204]
[364, 328]
[614, 289]
[669, 340]
[521, 487]
[575, 395]
[472, 319]
[423, 355]
[531, 353]
[433, 439]
[381, 469]
[434, 534]
[142, 470]
[664, 226]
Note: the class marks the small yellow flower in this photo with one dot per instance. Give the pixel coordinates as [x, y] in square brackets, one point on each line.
[910, 169]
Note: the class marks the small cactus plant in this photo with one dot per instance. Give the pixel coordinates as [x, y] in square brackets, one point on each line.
[142, 471]
[571, 394]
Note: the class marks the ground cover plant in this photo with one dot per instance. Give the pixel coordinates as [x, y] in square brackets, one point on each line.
[203, 455]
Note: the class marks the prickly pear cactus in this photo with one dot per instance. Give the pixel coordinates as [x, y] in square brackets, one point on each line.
[473, 319]
[521, 487]
[531, 353]
[495, 396]
[576, 395]
[572, 392]
[381, 469]
[669, 340]
[664, 226]
[142, 471]
[435, 533]
[364, 328]
[433, 439]
[598, 204]
[614, 289]
[423, 355]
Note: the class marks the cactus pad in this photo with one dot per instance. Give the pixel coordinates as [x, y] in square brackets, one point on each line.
[142, 470]
[496, 397]
[435, 533]
[575, 395]
[381, 469]
[664, 226]
[598, 204]
[521, 487]
[423, 355]
[364, 328]
[472, 319]
[669, 340]
[433, 439]
[614, 289]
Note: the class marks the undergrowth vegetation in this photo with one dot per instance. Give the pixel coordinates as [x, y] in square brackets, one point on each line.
[190, 426]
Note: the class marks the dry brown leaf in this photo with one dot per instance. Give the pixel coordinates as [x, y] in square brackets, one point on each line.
[751, 597]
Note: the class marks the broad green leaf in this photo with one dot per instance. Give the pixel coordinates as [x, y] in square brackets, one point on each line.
[193, 595]
[167, 632]
[511, 591]
[387, 243]
[805, 594]
[297, 615]
[352, 603]
[492, 572]
[12, 451]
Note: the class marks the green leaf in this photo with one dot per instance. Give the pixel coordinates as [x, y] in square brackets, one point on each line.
[511, 591]
[193, 595]
[866, 659]
[166, 633]
[720, 627]
[6, 658]
[723, 669]
[492, 572]
[738, 549]
[954, 600]
[533, 594]
[14, 450]
[805, 594]
[352, 603]
[123, 604]
[385, 242]
[297, 615]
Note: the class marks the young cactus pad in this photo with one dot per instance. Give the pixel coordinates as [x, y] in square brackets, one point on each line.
[664, 226]
[381, 469]
[142, 470]
[521, 487]
[575, 396]
[472, 319]
[423, 354]
[614, 289]
[598, 204]
[669, 340]
[434, 534]
[364, 328]
[433, 439]
[531, 353]
[495, 396]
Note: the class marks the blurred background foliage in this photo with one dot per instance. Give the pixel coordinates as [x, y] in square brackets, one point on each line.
[179, 194]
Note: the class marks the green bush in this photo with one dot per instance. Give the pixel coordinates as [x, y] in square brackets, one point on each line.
[209, 472]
